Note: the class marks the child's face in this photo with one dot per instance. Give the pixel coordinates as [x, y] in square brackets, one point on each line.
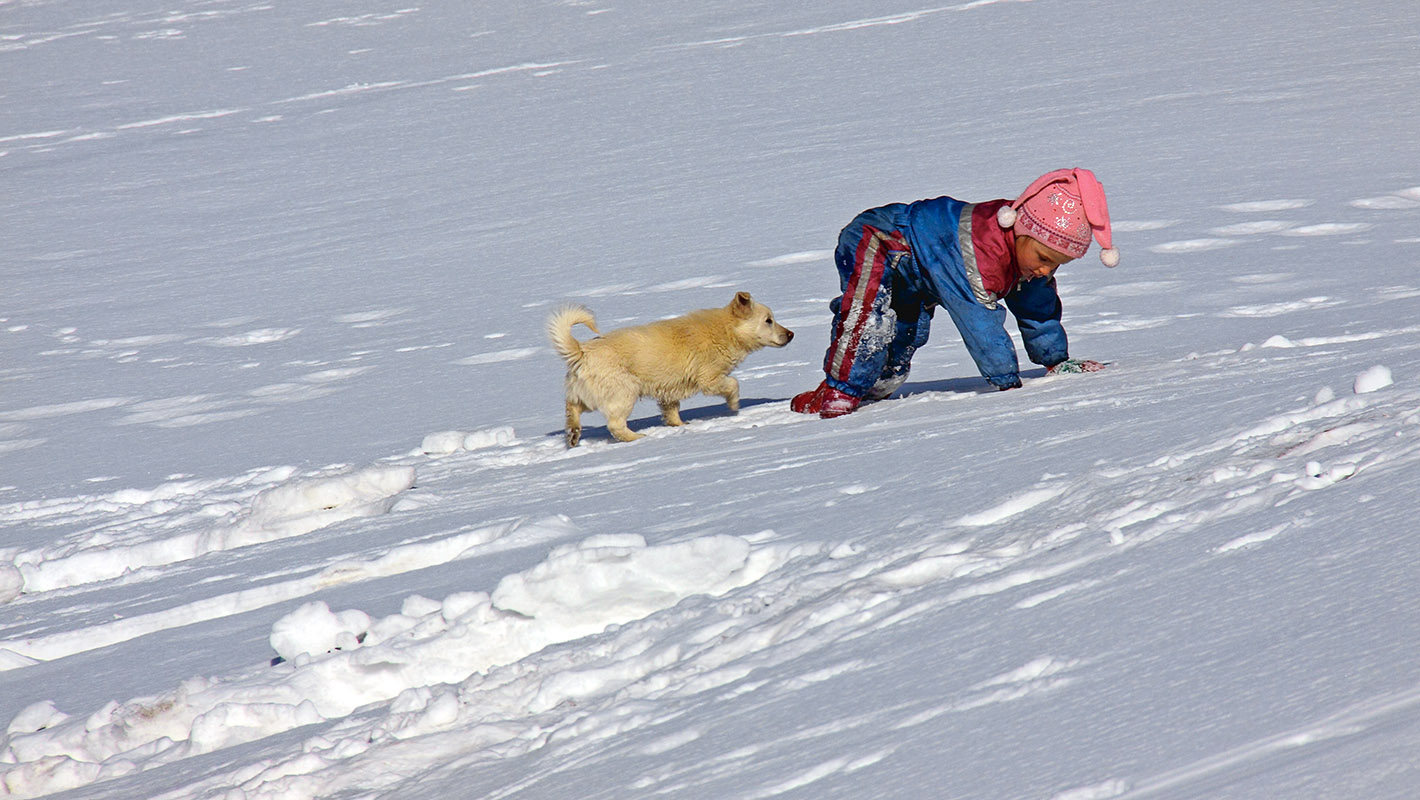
[1036, 260]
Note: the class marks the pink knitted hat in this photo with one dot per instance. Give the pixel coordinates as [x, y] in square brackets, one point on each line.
[1062, 209]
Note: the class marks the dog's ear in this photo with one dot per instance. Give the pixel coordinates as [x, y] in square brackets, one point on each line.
[742, 306]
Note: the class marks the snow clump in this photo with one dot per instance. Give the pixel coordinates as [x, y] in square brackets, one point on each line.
[1373, 379]
[444, 443]
[11, 583]
[314, 629]
[36, 717]
[300, 507]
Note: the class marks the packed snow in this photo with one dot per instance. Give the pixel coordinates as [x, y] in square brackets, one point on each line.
[285, 508]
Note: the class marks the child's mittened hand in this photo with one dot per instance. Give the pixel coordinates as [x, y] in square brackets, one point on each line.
[1074, 365]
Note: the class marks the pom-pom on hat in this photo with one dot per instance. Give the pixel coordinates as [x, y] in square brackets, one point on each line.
[1063, 209]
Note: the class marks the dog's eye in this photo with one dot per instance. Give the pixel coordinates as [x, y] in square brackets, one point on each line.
[768, 320]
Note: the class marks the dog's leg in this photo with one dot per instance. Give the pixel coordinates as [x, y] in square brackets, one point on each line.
[617, 426]
[670, 412]
[616, 411]
[574, 423]
[728, 388]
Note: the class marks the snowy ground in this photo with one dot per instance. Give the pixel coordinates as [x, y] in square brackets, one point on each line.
[285, 510]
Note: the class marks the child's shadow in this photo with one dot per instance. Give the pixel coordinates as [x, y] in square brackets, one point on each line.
[975, 385]
[711, 411]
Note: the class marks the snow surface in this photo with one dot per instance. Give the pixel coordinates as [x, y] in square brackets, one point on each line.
[285, 510]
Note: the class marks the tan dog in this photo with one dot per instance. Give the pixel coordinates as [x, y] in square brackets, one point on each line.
[669, 360]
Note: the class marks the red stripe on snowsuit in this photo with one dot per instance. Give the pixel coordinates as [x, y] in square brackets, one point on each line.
[869, 261]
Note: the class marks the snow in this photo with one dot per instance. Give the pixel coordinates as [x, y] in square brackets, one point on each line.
[285, 510]
[313, 629]
[1373, 379]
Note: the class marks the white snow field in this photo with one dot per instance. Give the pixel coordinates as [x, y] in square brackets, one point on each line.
[285, 510]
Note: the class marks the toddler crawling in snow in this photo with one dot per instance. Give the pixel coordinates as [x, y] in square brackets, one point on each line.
[898, 262]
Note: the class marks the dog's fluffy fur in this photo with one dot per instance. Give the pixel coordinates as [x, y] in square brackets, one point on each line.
[669, 360]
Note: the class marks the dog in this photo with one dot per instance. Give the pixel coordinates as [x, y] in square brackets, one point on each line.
[669, 360]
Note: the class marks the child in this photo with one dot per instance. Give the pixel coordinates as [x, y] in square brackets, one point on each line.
[897, 263]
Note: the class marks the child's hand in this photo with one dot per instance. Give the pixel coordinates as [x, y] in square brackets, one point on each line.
[1074, 365]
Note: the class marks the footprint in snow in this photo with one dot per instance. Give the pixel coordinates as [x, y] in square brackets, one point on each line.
[1261, 278]
[607, 291]
[500, 356]
[1137, 226]
[702, 282]
[250, 338]
[369, 319]
[1140, 288]
[1122, 324]
[1228, 235]
[1397, 292]
[1278, 309]
[1266, 206]
[16, 430]
[1041, 676]
[802, 257]
[63, 409]
[1254, 228]
[1192, 245]
[1405, 198]
[188, 410]
[1328, 229]
[362, 20]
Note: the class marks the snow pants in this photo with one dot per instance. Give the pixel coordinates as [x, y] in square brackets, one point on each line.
[879, 321]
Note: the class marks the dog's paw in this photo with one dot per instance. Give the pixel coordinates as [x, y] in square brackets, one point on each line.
[574, 437]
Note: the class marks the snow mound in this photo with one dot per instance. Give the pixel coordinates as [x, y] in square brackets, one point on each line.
[313, 629]
[446, 442]
[614, 579]
[337, 662]
[1373, 379]
[11, 582]
[303, 506]
[36, 717]
[289, 508]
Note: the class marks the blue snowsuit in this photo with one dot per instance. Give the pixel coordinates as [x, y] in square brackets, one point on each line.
[899, 262]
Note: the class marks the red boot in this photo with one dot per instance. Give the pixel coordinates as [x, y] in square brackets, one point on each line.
[809, 402]
[825, 401]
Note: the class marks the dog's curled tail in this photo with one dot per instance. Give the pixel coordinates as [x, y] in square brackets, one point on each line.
[559, 330]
